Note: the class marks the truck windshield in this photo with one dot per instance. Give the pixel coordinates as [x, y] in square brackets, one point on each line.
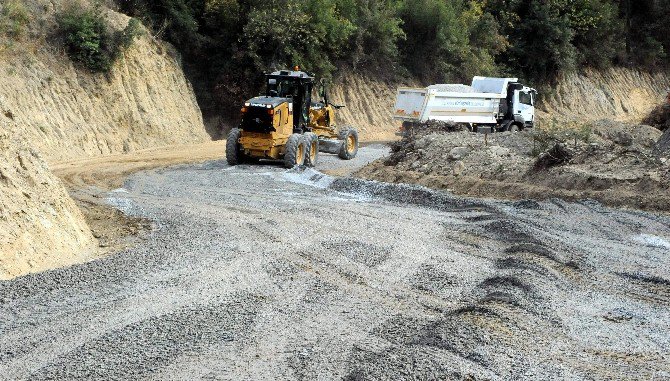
[525, 98]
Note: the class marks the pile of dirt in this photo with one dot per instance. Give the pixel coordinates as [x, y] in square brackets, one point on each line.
[40, 225]
[614, 162]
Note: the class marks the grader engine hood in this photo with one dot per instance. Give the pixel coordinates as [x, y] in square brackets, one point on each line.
[258, 114]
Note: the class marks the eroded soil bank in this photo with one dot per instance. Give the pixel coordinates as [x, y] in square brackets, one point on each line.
[616, 163]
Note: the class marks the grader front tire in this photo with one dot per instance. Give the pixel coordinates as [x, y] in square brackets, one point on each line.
[349, 147]
[295, 151]
[312, 149]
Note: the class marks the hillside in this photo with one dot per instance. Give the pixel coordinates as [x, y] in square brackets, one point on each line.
[52, 109]
[619, 93]
[40, 225]
[66, 112]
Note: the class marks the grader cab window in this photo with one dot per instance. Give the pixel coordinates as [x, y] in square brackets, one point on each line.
[283, 88]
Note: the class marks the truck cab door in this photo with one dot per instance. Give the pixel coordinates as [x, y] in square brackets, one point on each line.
[524, 107]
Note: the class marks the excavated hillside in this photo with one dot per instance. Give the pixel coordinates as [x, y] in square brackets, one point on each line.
[53, 110]
[619, 93]
[40, 225]
[368, 105]
[66, 113]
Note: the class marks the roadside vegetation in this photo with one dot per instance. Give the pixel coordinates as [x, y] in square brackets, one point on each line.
[228, 43]
[90, 41]
[14, 19]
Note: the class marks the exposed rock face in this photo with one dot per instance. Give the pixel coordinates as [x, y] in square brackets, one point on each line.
[40, 225]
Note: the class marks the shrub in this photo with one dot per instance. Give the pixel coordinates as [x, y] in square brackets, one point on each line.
[554, 133]
[449, 41]
[14, 18]
[89, 40]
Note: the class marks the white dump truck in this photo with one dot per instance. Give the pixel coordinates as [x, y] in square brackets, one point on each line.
[488, 105]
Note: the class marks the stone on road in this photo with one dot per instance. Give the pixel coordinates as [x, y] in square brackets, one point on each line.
[257, 272]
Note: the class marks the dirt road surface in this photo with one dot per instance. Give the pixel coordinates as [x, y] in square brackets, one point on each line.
[263, 273]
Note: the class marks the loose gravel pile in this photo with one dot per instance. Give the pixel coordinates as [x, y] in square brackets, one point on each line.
[256, 272]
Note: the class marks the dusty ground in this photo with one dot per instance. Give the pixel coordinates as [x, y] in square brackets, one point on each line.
[88, 181]
[257, 272]
[619, 164]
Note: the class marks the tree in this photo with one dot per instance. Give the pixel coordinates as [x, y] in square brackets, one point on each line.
[449, 41]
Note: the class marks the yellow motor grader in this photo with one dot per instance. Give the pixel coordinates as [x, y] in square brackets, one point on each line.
[284, 124]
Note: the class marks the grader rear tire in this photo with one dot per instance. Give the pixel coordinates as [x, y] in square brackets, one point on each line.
[312, 149]
[296, 148]
[233, 154]
[349, 148]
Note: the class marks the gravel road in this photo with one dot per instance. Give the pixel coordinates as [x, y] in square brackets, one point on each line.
[262, 273]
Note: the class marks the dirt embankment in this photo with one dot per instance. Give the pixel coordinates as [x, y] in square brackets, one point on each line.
[612, 162]
[40, 225]
[368, 106]
[619, 94]
[51, 109]
[66, 113]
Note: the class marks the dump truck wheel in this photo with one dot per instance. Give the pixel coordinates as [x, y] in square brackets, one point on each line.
[233, 154]
[513, 128]
[296, 149]
[312, 149]
[349, 148]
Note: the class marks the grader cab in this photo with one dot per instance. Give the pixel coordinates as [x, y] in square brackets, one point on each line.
[284, 124]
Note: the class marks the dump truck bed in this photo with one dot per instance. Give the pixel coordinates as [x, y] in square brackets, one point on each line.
[476, 104]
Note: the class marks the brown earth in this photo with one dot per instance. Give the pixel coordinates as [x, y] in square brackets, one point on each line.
[615, 163]
[88, 181]
[619, 93]
[40, 225]
[65, 112]
[52, 110]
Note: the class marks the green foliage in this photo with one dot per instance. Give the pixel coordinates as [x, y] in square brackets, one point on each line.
[226, 44]
[284, 33]
[88, 38]
[597, 30]
[377, 32]
[450, 41]
[14, 19]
